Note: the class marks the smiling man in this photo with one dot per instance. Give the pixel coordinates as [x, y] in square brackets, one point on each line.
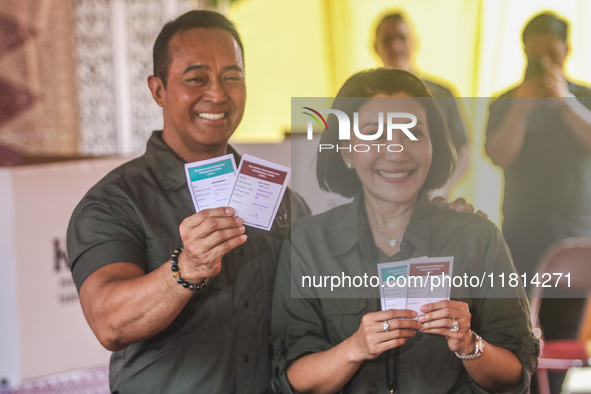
[181, 298]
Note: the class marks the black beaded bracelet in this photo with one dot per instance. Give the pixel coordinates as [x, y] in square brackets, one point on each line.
[176, 273]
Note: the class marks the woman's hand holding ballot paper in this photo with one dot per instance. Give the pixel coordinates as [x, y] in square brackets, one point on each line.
[451, 319]
[382, 331]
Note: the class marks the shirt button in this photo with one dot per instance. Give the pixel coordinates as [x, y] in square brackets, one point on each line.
[245, 359]
[282, 217]
[245, 304]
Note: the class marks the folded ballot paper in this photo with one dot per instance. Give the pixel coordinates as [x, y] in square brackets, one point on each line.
[412, 283]
[254, 190]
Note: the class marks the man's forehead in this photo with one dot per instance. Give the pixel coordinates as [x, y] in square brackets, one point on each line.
[543, 40]
[206, 41]
[398, 25]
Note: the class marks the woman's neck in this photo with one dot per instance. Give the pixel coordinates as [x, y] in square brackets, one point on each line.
[388, 222]
[389, 217]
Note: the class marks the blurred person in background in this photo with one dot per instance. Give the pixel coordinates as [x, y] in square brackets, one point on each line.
[539, 133]
[395, 45]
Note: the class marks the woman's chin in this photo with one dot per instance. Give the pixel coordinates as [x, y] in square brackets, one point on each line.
[397, 198]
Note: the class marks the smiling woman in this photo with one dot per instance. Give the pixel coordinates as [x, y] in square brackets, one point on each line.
[392, 176]
[334, 176]
[471, 342]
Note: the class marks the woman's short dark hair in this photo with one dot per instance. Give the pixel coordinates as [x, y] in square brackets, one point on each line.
[331, 171]
[190, 20]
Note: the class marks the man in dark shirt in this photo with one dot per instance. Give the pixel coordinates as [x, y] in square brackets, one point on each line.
[394, 43]
[195, 320]
[540, 134]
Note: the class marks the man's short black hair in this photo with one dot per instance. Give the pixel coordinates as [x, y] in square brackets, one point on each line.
[544, 23]
[331, 171]
[190, 20]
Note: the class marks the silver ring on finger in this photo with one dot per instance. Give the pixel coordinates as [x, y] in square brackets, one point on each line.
[455, 327]
[386, 326]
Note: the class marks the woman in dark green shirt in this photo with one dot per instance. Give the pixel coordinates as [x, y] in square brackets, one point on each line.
[329, 340]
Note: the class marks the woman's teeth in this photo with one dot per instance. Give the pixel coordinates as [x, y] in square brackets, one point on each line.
[394, 175]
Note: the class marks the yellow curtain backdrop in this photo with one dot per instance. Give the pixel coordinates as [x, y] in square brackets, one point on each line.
[309, 48]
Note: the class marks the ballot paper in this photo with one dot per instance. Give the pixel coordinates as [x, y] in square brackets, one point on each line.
[257, 193]
[211, 181]
[410, 284]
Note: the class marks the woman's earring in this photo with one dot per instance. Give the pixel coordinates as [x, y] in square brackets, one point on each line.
[349, 165]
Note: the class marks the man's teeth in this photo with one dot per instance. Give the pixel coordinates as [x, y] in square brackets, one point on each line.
[211, 116]
[394, 175]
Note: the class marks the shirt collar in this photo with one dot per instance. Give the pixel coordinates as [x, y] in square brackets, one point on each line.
[345, 230]
[353, 228]
[417, 235]
[168, 167]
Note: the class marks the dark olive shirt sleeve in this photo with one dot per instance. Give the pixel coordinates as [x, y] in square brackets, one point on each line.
[305, 334]
[504, 321]
[101, 233]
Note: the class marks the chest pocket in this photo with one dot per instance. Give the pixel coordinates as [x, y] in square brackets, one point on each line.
[282, 221]
[292, 207]
[343, 316]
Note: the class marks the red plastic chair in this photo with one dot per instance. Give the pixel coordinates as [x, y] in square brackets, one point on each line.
[572, 255]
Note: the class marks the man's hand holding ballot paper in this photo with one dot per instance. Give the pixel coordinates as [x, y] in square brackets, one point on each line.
[225, 200]
[254, 191]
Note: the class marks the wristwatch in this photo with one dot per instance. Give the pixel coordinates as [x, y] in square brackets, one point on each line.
[479, 343]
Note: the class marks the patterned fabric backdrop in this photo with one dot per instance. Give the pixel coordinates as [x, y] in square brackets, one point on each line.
[114, 52]
[38, 101]
[97, 93]
[73, 74]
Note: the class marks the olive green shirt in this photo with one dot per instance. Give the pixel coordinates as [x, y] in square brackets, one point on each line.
[339, 241]
[219, 341]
